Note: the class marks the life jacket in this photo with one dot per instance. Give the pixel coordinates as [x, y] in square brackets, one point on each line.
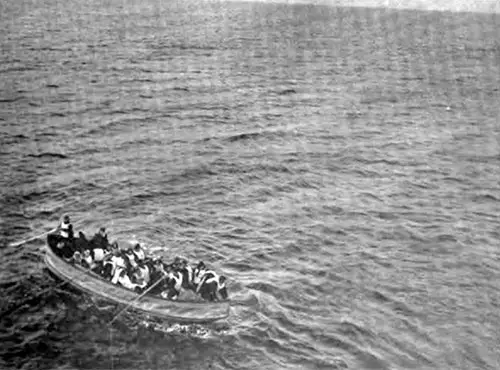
[89, 261]
[177, 276]
[143, 275]
[217, 280]
[189, 270]
[139, 254]
[122, 277]
[117, 262]
[99, 254]
[64, 230]
[131, 258]
[198, 275]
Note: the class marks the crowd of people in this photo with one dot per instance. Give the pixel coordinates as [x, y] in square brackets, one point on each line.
[133, 269]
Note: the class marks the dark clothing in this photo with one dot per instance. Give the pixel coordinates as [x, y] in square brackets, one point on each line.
[99, 241]
[155, 276]
[68, 248]
[70, 232]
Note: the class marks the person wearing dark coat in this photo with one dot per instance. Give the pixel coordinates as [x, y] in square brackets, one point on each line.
[100, 239]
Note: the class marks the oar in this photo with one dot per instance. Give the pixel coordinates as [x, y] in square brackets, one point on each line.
[17, 244]
[136, 299]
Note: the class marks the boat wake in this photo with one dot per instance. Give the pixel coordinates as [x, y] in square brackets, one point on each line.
[147, 323]
[190, 330]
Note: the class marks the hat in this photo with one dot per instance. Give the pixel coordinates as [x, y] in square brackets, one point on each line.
[66, 218]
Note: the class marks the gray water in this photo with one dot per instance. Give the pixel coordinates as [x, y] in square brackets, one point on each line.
[340, 166]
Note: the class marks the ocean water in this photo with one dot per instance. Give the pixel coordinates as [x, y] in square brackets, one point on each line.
[341, 166]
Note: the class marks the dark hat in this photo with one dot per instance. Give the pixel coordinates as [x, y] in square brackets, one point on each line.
[66, 218]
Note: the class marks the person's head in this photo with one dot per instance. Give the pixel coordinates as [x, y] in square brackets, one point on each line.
[77, 256]
[114, 247]
[66, 219]
[86, 253]
[102, 231]
[139, 252]
[158, 265]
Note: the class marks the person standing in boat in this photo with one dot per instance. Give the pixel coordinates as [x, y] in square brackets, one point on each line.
[63, 239]
[66, 230]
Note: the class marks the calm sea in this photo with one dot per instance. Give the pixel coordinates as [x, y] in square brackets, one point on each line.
[341, 166]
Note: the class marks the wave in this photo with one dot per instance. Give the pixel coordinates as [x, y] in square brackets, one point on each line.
[287, 92]
[57, 114]
[253, 136]
[391, 162]
[19, 69]
[486, 198]
[176, 88]
[117, 123]
[48, 155]
[11, 100]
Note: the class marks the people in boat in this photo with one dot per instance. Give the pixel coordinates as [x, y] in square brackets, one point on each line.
[76, 258]
[133, 270]
[157, 272]
[128, 268]
[142, 274]
[139, 252]
[93, 254]
[66, 229]
[198, 272]
[88, 260]
[130, 256]
[115, 260]
[184, 268]
[212, 287]
[100, 240]
[173, 283]
[125, 278]
[63, 239]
